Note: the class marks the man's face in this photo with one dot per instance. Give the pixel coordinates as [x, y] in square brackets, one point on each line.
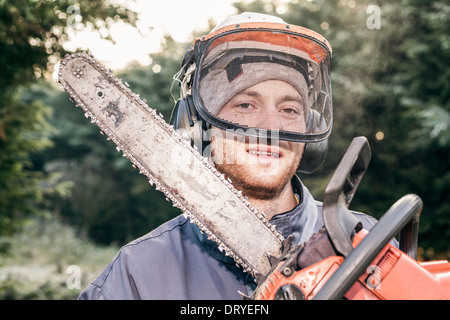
[258, 168]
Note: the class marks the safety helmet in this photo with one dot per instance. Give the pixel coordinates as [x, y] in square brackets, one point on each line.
[243, 51]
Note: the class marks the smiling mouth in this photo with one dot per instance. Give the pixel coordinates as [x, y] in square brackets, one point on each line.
[264, 153]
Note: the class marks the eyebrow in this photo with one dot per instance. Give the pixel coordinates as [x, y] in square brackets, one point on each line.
[286, 97]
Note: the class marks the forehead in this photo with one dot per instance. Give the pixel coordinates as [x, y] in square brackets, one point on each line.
[272, 89]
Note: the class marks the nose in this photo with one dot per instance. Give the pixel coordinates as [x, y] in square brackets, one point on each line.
[271, 118]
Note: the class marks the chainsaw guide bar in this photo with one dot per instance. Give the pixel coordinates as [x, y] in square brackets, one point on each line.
[189, 180]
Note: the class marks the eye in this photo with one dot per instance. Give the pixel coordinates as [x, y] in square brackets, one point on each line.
[291, 111]
[244, 105]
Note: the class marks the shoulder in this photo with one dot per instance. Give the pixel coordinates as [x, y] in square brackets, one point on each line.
[136, 259]
[167, 236]
[367, 221]
[170, 234]
[167, 230]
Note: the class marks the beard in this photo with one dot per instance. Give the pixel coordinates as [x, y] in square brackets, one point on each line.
[258, 181]
[264, 187]
[257, 178]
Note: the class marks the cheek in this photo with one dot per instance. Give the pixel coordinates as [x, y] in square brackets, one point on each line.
[228, 150]
[300, 148]
[296, 152]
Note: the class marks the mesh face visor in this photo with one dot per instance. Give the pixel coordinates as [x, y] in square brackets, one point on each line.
[231, 88]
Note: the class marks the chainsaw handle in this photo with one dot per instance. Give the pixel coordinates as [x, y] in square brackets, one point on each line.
[399, 215]
[408, 237]
[339, 221]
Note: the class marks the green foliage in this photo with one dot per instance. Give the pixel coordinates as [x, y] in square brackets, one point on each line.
[389, 84]
[32, 31]
[23, 130]
[31, 37]
[87, 183]
[109, 199]
[37, 266]
[153, 82]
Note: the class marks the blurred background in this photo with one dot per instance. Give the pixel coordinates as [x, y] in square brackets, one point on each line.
[69, 200]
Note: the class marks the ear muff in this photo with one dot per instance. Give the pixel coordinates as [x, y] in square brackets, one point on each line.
[190, 126]
[315, 152]
[187, 123]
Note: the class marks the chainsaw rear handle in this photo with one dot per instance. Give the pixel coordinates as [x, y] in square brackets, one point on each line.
[339, 221]
[408, 237]
[405, 212]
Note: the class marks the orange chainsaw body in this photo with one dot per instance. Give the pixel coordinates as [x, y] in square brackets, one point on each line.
[393, 275]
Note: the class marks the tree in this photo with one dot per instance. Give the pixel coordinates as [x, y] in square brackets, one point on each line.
[419, 87]
[109, 201]
[390, 83]
[32, 34]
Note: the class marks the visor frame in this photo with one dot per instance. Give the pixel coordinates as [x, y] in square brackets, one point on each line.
[202, 45]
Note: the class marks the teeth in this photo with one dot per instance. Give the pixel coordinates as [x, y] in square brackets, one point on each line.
[272, 154]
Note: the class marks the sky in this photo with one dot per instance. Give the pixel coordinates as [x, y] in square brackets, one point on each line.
[156, 18]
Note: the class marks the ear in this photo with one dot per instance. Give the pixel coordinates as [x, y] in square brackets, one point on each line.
[314, 153]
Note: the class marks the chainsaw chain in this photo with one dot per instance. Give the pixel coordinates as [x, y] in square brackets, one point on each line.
[159, 185]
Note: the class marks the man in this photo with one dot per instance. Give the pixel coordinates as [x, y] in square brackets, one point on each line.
[257, 91]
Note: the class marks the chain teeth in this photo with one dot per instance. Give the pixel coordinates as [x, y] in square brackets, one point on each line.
[159, 185]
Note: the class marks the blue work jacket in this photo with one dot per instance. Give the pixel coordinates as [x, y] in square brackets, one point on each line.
[177, 261]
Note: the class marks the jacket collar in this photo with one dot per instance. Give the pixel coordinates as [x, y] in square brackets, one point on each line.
[299, 222]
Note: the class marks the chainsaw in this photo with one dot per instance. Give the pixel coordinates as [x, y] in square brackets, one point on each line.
[343, 260]
[340, 261]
